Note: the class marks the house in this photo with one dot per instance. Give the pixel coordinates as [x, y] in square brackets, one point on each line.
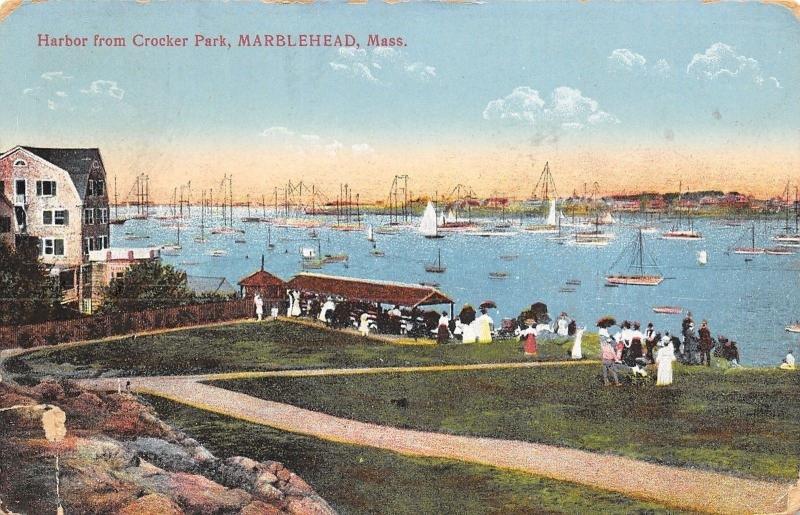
[59, 197]
[108, 264]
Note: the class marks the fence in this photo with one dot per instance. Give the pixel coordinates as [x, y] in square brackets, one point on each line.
[99, 326]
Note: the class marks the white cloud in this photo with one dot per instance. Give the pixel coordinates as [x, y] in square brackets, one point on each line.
[311, 144]
[567, 109]
[381, 65]
[56, 76]
[105, 87]
[625, 59]
[662, 68]
[628, 61]
[721, 60]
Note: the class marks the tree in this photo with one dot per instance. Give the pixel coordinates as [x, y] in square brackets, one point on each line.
[147, 285]
[28, 294]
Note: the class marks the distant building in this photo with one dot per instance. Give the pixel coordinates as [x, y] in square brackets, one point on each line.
[109, 264]
[59, 197]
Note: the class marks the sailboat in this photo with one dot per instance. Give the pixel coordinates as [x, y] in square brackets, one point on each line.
[593, 238]
[201, 238]
[172, 249]
[428, 225]
[370, 233]
[227, 208]
[436, 267]
[116, 220]
[270, 245]
[752, 249]
[702, 257]
[787, 237]
[545, 186]
[638, 277]
[677, 232]
[249, 218]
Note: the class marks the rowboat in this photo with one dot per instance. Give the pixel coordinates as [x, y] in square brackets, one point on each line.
[668, 310]
[498, 275]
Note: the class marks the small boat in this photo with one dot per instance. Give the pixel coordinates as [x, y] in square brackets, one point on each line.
[226, 230]
[490, 234]
[498, 275]
[611, 285]
[639, 277]
[509, 257]
[793, 328]
[566, 289]
[690, 235]
[702, 257]
[667, 310]
[377, 253]
[218, 253]
[134, 237]
[779, 251]
[240, 240]
[429, 284]
[436, 267]
[188, 263]
[387, 230]
[335, 258]
[573, 282]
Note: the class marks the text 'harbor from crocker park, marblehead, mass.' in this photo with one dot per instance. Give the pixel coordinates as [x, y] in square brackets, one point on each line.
[219, 40]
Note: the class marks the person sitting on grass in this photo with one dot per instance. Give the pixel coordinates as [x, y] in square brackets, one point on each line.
[788, 362]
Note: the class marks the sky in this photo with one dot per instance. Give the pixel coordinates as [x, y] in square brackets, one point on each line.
[632, 95]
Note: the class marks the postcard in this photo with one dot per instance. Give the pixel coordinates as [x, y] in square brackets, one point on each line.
[399, 257]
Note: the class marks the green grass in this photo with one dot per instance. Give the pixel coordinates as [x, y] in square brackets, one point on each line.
[267, 346]
[358, 480]
[741, 421]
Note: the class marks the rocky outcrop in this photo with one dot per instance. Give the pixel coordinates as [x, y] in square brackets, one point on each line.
[118, 457]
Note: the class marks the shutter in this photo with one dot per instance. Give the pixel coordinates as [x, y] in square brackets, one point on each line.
[39, 188]
[66, 217]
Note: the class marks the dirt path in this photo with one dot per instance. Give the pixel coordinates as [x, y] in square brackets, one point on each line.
[683, 488]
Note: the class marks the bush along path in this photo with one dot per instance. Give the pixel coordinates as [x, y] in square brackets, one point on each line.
[689, 488]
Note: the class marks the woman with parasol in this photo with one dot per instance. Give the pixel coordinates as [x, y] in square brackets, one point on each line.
[484, 322]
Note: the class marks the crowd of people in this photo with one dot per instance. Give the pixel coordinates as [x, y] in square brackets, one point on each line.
[627, 352]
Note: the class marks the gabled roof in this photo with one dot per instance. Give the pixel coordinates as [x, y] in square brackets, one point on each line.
[261, 279]
[365, 290]
[77, 162]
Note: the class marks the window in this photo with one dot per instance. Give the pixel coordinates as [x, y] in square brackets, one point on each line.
[46, 188]
[5, 224]
[55, 217]
[96, 187]
[20, 162]
[102, 243]
[52, 246]
[88, 245]
[88, 216]
[102, 215]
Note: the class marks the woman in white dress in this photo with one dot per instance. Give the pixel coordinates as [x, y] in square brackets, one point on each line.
[295, 312]
[577, 351]
[664, 359]
[363, 326]
[469, 333]
[562, 325]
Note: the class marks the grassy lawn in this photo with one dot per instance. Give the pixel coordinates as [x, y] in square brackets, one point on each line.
[266, 346]
[358, 480]
[740, 421]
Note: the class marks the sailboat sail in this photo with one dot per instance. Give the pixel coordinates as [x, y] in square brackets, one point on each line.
[427, 225]
[702, 257]
[551, 215]
[370, 234]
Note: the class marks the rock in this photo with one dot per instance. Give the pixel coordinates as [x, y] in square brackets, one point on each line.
[48, 391]
[311, 505]
[166, 455]
[297, 482]
[249, 475]
[259, 508]
[203, 456]
[284, 474]
[152, 504]
[198, 494]
[104, 449]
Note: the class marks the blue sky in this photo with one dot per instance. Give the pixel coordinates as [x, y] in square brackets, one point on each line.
[503, 75]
